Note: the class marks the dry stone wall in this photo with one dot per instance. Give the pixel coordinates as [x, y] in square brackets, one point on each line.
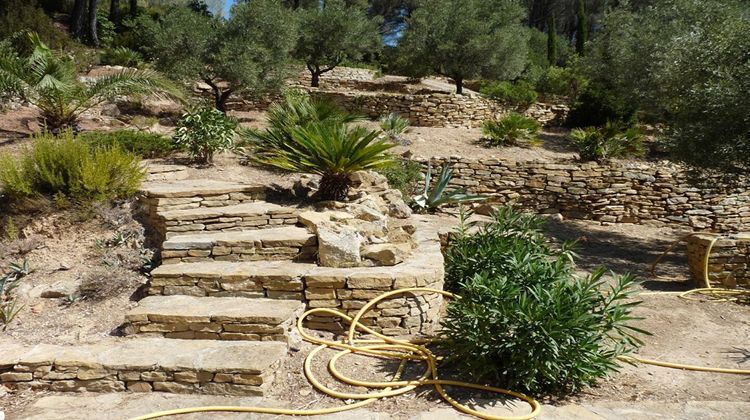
[657, 194]
[728, 263]
[438, 109]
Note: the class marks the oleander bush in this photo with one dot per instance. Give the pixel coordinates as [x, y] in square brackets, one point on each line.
[144, 144]
[525, 320]
[510, 129]
[68, 166]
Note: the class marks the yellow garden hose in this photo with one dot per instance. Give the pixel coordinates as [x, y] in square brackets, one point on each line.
[717, 294]
[382, 347]
[403, 350]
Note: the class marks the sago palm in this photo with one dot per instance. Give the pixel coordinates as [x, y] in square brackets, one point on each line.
[332, 150]
[48, 80]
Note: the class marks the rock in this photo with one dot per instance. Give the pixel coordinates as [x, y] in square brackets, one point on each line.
[59, 289]
[306, 186]
[386, 254]
[312, 219]
[339, 249]
[399, 210]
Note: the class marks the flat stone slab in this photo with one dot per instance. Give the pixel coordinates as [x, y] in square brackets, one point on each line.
[233, 270]
[197, 187]
[152, 354]
[254, 209]
[120, 406]
[214, 309]
[290, 236]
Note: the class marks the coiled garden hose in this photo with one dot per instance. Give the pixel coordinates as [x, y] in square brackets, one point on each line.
[403, 350]
[382, 347]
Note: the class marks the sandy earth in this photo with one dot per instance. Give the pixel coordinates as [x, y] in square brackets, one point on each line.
[702, 333]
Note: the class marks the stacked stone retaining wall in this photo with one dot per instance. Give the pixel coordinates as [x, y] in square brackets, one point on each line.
[728, 263]
[657, 194]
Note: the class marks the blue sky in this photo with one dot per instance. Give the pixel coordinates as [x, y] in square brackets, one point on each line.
[227, 6]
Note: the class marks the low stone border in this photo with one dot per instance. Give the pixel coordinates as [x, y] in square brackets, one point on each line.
[176, 366]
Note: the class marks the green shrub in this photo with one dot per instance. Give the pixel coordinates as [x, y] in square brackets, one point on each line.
[394, 126]
[613, 140]
[69, 166]
[332, 150]
[204, 132]
[520, 93]
[122, 56]
[146, 145]
[595, 106]
[404, 175]
[511, 128]
[562, 81]
[524, 320]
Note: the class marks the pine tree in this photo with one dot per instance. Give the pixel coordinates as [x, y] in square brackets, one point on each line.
[551, 41]
[92, 35]
[114, 12]
[77, 19]
[582, 32]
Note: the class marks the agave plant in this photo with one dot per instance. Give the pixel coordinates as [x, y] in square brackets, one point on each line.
[331, 149]
[394, 126]
[433, 198]
[48, 80]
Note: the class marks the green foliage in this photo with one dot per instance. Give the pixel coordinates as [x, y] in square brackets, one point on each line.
[393, 125]
[105, 30]
[520, 93]
[435, 196]
[684, 63]
[403, 175]
[332, 150]
[465, 39]
[205, 132]
[297, 109]
[562, 81]
[250, 51]
[143, 144]
[8, 283]
[48, 80]
[122, 56]
[22, 15]
[524, 319]
[333, 32]
[582, 27]
[66, 165]
[613, 140]
[511, 128]
[10, 231]
[595, 106]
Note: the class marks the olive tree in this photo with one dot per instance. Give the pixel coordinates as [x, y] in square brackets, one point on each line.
[247, 54]
[332, 32]
[684, 63]
[465, 39]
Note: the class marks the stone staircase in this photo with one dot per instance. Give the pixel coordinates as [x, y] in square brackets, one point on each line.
[220, 313]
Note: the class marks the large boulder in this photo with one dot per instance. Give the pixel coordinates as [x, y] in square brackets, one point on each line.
[339, 249]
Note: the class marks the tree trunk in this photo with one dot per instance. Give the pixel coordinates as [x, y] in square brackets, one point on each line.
[315, 79]
[582, 28]
[459, 85]
[77, 19]
[133, 8]
[93, 38]
[114, 12]
[220, 98]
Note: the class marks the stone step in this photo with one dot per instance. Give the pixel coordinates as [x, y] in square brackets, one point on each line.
[144, 364]
[192, 188]
[345, 289]
[214, 318]
[284, 243]
[240, 217]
